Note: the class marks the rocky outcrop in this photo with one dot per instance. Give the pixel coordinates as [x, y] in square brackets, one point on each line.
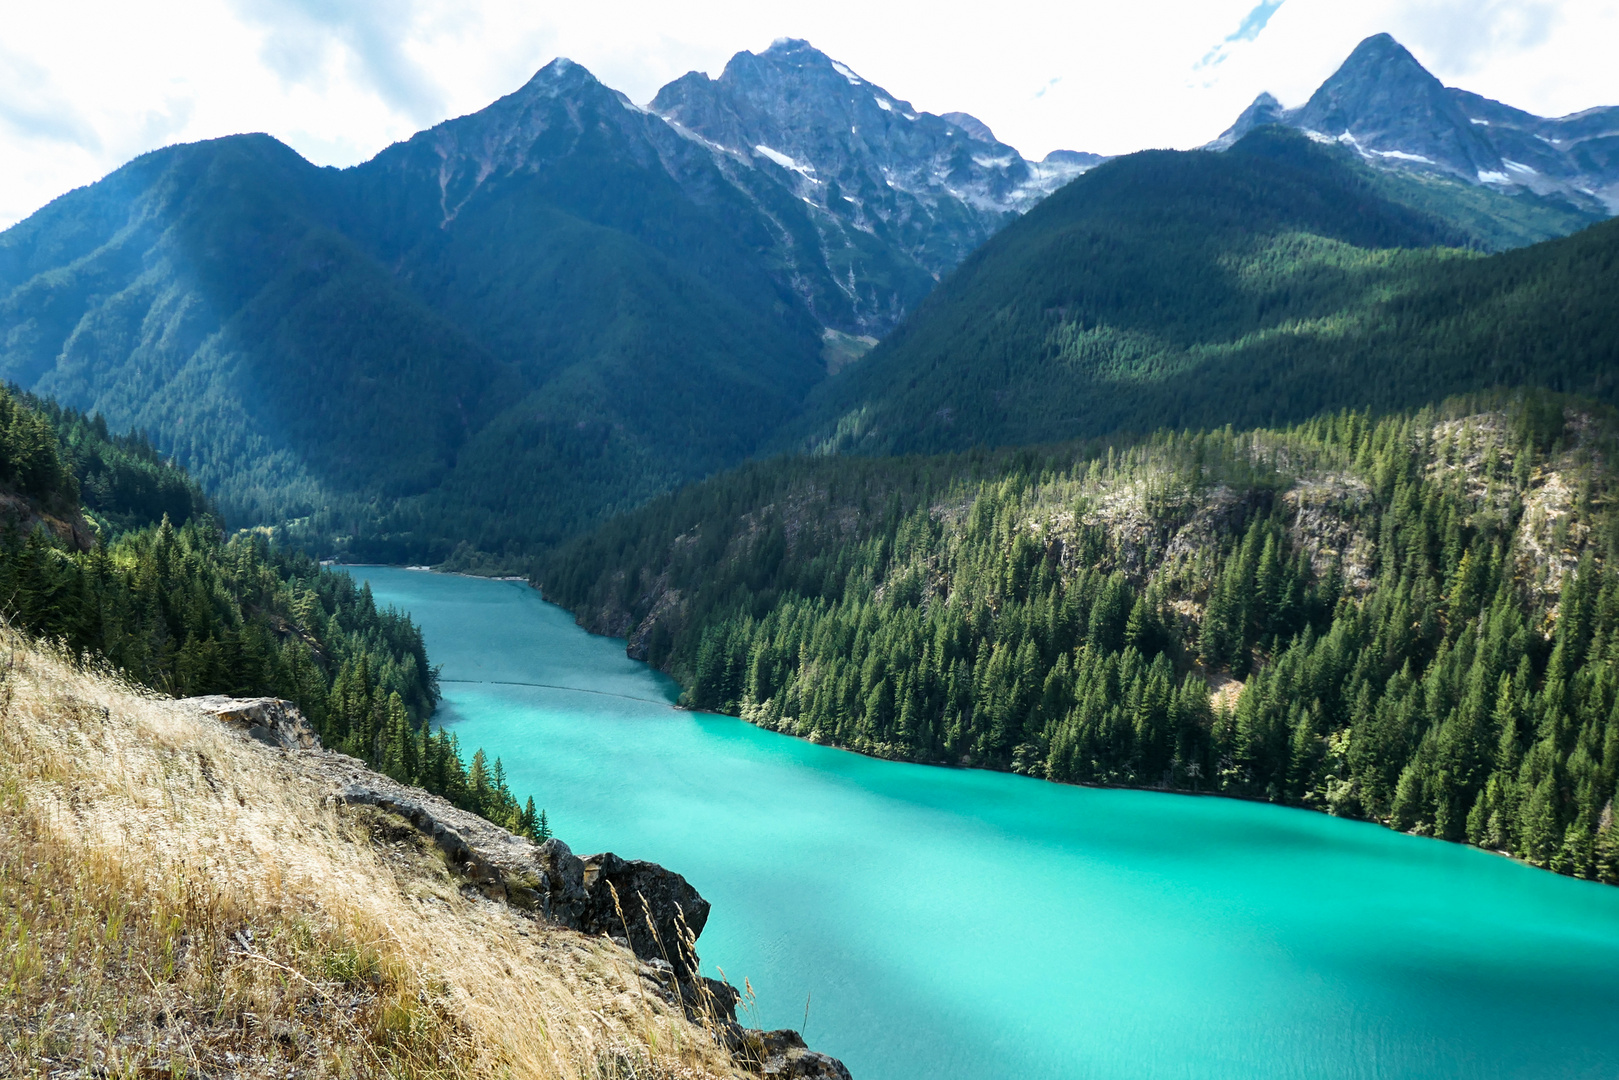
[782, 1054]
[658, 913]
[66, 524]
[272, 721]
[652, 911]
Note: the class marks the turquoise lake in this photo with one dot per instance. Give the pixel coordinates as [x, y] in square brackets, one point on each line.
[964, 924]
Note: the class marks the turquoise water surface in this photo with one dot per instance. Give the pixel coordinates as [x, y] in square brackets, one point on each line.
[974, 925]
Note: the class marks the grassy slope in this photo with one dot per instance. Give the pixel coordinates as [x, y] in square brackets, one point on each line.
[247, 928]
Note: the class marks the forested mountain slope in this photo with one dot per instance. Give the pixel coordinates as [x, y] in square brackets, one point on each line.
[202, 293]
[137, 576]
[1260, 285]
[1412, 619]
[497, 331]
[258, 315]
[508, 327]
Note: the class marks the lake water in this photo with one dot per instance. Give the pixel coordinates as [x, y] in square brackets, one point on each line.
[973, 925]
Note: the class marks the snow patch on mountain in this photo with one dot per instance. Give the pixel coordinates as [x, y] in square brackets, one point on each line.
[925, 190]
[785, 161]
[1400, 155]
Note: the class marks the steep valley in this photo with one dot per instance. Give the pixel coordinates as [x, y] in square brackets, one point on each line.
[498, 333]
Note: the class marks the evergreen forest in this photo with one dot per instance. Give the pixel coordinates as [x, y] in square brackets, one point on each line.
[1312, 585]
[1411, 618]
[114, 554]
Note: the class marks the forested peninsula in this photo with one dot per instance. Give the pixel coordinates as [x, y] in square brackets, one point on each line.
[1410, 619]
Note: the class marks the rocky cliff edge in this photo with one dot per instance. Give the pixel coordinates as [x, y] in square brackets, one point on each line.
[649, 910]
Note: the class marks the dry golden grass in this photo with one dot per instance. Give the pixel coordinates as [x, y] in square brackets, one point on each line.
[177, 901]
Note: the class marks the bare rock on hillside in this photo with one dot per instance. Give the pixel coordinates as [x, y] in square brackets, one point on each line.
[272, 721]
[782, 1054]
[25, 515]
[656, 910]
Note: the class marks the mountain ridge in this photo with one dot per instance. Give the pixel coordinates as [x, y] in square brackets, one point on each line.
[1189, 289]
[568, 302]
[1394, 113]
[939, 185]
[508, 326]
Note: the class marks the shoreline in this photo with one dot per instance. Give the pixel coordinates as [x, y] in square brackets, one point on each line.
[333, 564]
[984, 768]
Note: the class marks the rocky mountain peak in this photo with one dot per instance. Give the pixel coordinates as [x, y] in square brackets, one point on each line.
[1382, 94]
[1264, 110]
[863, 155]
[1379, 56]
[1382, 103]
[558, 79]
[974, 127]
[561, 108]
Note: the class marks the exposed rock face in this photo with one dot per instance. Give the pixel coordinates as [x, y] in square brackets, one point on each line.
[24, 515]
[655, 909]
[652, 911]
[940, 185]
[271, 721]
[1387, 107]
[857, 201]
[783, 1054]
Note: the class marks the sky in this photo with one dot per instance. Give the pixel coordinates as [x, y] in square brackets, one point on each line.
[86, 85]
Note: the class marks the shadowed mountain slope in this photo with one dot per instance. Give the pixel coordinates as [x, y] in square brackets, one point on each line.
[490, 334]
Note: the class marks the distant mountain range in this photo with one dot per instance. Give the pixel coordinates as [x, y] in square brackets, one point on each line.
[516, 321]
[1188, 289]
[935, 187]
[522, 320]
[1386, 106]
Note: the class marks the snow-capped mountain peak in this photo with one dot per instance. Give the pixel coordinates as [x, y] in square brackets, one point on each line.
[865, 156]
[1387, 107]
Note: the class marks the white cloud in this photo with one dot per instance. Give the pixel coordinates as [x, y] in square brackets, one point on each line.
[84, 86]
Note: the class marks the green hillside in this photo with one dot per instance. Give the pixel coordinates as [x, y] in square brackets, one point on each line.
[460, 354]
[332, 352]
[1413, 620]
[1490, 219]
[198, 293]
[139, 577]
[1258, 286]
